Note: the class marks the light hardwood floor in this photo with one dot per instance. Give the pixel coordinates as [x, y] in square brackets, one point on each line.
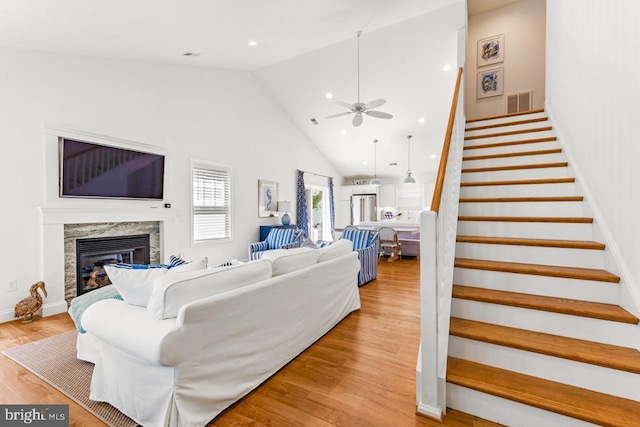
[361, 373]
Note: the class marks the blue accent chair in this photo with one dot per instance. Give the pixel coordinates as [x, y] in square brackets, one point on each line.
[367, 244]
[278, 238]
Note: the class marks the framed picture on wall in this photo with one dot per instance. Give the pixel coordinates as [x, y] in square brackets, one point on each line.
[490, 83]
[491, 50]
[267, 198]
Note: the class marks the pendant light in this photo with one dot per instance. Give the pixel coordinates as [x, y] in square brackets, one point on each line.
[375, 180]
[409, 179]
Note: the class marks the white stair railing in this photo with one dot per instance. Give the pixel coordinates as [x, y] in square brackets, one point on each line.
[437, 254]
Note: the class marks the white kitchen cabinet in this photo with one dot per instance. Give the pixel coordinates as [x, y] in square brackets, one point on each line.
[386, 196]
[345, 192]
[409, 196]
[364, 189]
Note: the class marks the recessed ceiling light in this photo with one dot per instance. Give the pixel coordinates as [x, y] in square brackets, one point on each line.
[447, 67]
[421, 120]
[343, 131]
[364, 162]
[433, 156]
[328, 95]
[252, 43]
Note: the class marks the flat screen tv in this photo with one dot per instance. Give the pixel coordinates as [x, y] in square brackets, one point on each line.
[92, 170]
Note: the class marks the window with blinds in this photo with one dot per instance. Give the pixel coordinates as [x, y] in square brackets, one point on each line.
[211, 189]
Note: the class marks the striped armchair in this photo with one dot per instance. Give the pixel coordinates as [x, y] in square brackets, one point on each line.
[278, 238]
[367, 244]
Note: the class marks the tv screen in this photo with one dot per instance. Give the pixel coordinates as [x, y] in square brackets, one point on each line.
[100, 171]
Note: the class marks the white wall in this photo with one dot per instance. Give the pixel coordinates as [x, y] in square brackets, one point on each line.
[592, 92]
[216, 115]
[523, 26]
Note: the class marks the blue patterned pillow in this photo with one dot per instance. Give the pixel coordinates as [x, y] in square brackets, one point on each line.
[139, 266]
[175, 261]
[308, 243]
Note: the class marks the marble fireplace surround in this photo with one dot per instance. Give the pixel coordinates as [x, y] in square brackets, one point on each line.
[53, 222]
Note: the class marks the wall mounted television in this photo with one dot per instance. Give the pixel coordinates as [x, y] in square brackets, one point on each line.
[90, 170]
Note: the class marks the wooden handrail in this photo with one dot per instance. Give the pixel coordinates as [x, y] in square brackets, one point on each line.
[437, 193]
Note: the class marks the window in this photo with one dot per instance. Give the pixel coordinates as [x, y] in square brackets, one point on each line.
[211, 199]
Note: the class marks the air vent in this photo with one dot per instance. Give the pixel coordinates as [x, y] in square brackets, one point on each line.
[314, 121]
[519, 102]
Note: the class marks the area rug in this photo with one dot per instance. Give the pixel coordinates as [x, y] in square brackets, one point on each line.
[54, 360]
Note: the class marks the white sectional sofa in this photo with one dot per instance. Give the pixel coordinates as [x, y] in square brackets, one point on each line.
[207, 338]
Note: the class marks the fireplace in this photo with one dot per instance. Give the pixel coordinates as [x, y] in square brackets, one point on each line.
[92, 254]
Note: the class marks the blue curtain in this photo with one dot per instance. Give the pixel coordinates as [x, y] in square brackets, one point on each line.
[332, 210]
[301, 212]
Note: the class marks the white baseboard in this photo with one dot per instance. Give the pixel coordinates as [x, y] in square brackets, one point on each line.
[47, 310]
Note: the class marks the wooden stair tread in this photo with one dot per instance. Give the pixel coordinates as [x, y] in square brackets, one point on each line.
[558, 219]
[502, 116]
[599, 408]
[513, 154]
[508, 133]
[519, 182]
[546, 243]
[594, 310]
[508, 143]
[517, 167]
[521, 199]
[514, 123]
[539, 269]
[593, 353]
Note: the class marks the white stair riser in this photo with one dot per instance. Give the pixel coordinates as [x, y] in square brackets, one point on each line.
[510, 128]
[534, 230]
[548, 145]
[588, 290]
[505, 412]
[515, 160]
[534, 209]
[582, 258]
[501, 120]
[583, 375]
[584, 328]
[508, 175]
[509, 138]
[521, 190]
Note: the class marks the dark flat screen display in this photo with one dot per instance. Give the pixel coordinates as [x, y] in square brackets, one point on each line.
[100, 171]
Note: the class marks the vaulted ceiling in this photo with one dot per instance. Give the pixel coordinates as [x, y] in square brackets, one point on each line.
[304, 49]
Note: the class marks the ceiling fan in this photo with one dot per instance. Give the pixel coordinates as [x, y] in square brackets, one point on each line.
[358, 108]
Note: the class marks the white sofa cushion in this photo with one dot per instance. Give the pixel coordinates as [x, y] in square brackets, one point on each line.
[134, 285]
[175, 290]
[334, 250]
[288, 260]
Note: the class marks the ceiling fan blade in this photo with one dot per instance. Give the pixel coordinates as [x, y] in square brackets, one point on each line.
[375, 103]
[379, 114]
[357, 120]
[344, 104]
[339, 115]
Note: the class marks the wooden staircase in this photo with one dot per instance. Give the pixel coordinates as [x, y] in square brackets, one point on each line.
[537, 334]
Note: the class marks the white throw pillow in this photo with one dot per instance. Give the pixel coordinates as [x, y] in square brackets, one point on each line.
[200, 264]
[134, 285]
[288, 260]
[334, 250]
[175, 290]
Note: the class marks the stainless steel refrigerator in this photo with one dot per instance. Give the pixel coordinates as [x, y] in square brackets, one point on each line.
[363, 208]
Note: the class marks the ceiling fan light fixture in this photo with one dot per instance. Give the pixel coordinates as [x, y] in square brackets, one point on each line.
[358, 108]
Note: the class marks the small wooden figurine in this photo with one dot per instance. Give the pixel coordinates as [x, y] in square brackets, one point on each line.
[29, 305]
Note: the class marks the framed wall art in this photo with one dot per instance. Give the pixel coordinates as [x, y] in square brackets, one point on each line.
[490, 83]
[267, 198]
[491, 50]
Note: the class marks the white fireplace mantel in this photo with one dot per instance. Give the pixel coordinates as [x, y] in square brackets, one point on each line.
[53, 220]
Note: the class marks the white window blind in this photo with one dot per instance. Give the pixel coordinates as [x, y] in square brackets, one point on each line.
[211, 202]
